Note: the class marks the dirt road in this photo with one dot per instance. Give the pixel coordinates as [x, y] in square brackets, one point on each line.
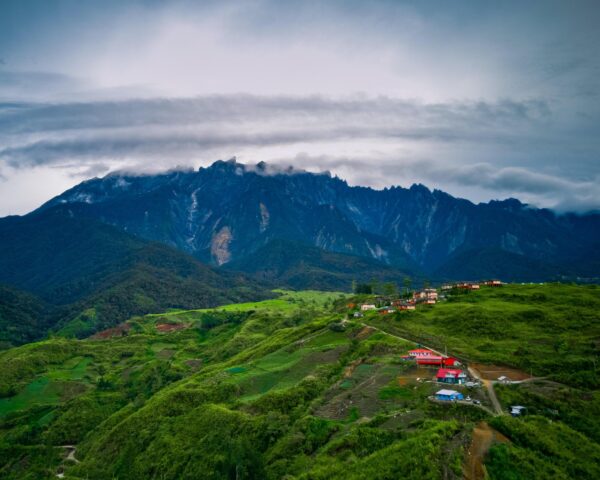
[482, 439]
[489, 385]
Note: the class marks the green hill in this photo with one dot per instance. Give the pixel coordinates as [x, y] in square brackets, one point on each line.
[284, 389]
[91, 276]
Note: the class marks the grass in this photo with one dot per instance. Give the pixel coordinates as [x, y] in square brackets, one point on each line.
[549, 330]
[41, 391]
[73, 369]
[288, 301]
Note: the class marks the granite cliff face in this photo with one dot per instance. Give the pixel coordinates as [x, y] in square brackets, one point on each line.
[229, 210]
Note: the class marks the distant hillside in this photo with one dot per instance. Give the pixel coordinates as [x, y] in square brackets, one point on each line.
[300, 266]
[22, 317]
[93, 276]
[476, 264]
[228, 211]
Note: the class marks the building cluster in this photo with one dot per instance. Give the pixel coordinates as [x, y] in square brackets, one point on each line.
[426, 296]
[471, 285]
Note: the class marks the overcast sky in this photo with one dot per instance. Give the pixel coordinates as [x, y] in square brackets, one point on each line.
[484, 100]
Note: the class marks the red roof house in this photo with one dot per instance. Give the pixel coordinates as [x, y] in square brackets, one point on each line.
[421, 352]
[451, 375]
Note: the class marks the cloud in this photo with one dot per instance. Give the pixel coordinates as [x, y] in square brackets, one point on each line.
[495, 147]
[417, 91]
[536, 188]
[41, 133]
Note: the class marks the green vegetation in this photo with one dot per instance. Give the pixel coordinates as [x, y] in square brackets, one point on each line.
[84, 276]
[548, 330]
[289, 388]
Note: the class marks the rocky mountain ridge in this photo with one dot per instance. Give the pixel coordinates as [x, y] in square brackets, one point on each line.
[229, 210]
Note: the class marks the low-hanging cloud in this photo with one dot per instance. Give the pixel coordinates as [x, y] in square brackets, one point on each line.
[499, 147]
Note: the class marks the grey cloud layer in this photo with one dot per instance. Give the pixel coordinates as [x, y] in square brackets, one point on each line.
[505, 147]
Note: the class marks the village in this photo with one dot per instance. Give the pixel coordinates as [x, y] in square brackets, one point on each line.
[459, 383]
[386, 305]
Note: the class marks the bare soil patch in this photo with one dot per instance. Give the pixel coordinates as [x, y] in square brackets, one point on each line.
[194, 363]
[170, 327]
[492, 372]
[365, 332]
[118, 331]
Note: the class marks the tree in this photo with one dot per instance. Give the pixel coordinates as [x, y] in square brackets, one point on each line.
[407, 283]
[390, 289]
[364, 288]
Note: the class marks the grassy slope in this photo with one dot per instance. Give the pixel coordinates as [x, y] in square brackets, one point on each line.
[551, 330]
[264, 390]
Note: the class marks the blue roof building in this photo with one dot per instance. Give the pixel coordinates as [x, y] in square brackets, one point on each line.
[448, 395]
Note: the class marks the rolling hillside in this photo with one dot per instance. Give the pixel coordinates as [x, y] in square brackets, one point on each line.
[282, 389]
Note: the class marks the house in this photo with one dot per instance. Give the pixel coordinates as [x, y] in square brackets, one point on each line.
[451, 375]
[367, 306]
[424, 356]
[493, 283]
[427, 295]
[448, 395]
[504, 379]
[517, 410]
[421, 353]
[438, 361]
[450, 362]
[435, 360]
[406, 306]
[400, 305]
[386, 310]
[358, 315]
[466, 286]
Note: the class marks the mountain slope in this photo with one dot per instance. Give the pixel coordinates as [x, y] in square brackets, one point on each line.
[482, 263]
[96, 276]
[228, 211]
[22, 317]
[299, 266]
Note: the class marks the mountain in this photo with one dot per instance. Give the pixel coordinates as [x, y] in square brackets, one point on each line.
[229, 211]
[92, 276]
[295, 265]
